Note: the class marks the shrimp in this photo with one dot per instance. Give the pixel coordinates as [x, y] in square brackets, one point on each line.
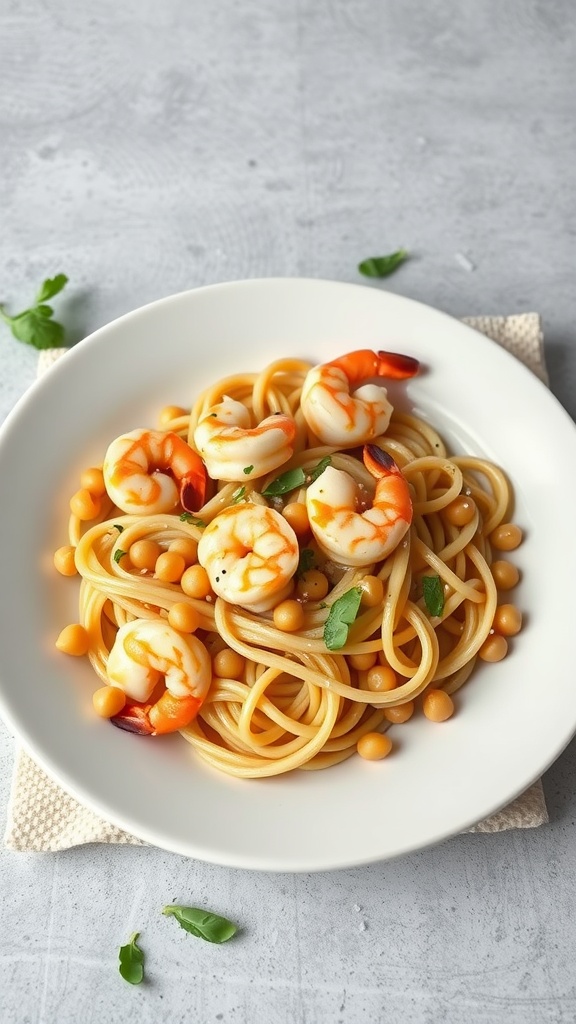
[150, 471]
[145, 652]
[233, 450]
[250, 554]
[358, 538]
[340, 417]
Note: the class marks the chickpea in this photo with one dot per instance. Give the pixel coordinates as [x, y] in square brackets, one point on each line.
[64, 560]
[183, 617]
[144, 554]
[85, 505]
[505, 574]
[169, 567]
[373, 746]
[399, 714]
[313, 585]
[92, 480]
[494, 648]
[73, 640]
[506, 537]
[507, 620]
[381, 678]
[372, 591]
[169, 413]
[187, 547]
[438, 705]
[228, 664]
[288, 616]
[195, 582]
[108, 701]
[296, 515]
[461, 511]
[362, 662]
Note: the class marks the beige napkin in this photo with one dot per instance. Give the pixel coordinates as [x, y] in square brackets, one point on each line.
[42, 817]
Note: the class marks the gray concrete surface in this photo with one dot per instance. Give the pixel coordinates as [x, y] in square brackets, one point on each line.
[147, 147]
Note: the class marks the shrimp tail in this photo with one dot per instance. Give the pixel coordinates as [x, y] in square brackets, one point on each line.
[193, 491]
[378, 462]
[396, 366]
[169, 714]
[134, 717]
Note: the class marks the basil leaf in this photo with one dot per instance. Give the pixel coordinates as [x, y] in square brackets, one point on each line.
[247, 469]
[294, 478]
[238, 494]
[342, 614]
[433, 593]
[37, 329]
[305, 562]
[382, 266]
[131, 961]
[187, 517]
[35, 326]
[50, 287]
[202, 923]
[118, 555]
[287, 481]
[315, 473]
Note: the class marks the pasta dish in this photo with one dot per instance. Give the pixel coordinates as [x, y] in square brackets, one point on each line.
[289, 567]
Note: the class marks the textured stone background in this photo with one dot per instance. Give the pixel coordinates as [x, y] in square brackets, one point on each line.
[147, 147]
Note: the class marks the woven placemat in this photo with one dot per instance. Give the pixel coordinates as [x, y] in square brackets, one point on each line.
[42, 817]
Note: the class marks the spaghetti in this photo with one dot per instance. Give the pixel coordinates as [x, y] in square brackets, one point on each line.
[282, 693]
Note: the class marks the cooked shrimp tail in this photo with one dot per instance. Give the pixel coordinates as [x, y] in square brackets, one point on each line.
[364, 364]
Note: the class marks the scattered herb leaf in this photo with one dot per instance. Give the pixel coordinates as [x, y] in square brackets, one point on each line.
[287, 481]
[433, 593]
[202, 923]
[247, 469]
[319, 469]
[294, 478]
[34, 326]
[322, 604]
[119, 554]
[238, 495]
[187, 517]
[131, 961]
[382, 266]
[118, 527]
[305, 562]
[342, 614]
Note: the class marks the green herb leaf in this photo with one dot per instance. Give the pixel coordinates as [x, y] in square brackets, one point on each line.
[202, 923]
[315, 473]
[247, 469]
[118, 527]
[35, 326]
[305, 562]
[433, 593]
[294, 478]
[37, 329]
[238, 495]
[382, 266]
[187, 517]
[131, 961]
[50, 287]
[287, 481]
[119, 554]
[342, 614]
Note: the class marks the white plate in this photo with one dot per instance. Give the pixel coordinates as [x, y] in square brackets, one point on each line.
[513, 719]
